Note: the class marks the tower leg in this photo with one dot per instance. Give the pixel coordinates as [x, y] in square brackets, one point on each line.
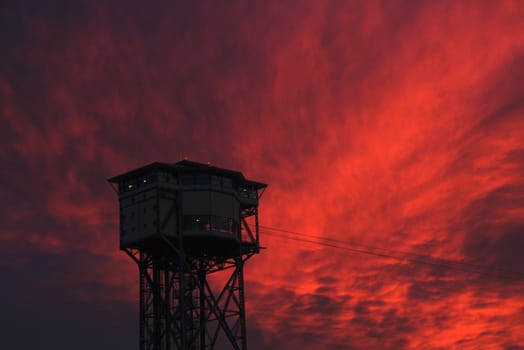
[142, 304]
[167, 311]
[180, 311]
[157, 308]
[242, 306]
[202, 305]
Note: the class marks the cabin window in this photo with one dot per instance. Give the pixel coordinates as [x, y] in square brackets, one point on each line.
[202, 179]
[247, 193]
[188, 180]
[227, 183]
[209, 223]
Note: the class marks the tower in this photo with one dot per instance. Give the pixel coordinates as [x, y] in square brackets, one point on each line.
[182, 224]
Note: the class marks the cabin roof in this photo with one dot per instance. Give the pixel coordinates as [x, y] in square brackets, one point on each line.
[187, 166]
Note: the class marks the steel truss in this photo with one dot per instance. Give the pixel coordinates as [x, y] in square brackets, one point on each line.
[179, 309]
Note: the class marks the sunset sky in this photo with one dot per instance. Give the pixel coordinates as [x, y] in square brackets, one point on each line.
[392, 127]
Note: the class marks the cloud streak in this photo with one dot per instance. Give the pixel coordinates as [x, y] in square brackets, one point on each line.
[397, 126]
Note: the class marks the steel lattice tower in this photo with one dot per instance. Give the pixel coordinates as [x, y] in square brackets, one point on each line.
[181, 223]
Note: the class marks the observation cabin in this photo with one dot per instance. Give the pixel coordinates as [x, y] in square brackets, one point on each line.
[200, 207]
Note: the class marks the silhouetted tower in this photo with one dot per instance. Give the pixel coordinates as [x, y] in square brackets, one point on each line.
[181, 223]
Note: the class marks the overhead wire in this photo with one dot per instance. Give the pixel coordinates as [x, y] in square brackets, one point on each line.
[404, 253]
[486, 270]
[390, 253]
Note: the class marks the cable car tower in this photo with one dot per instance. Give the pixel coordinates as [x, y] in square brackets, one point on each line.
[181, 223]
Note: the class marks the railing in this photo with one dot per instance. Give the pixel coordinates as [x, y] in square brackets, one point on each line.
[209, 223]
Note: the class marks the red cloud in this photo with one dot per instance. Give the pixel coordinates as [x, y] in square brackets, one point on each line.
[397, 126]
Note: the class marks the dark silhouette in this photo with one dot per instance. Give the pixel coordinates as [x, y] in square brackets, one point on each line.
[180, 223]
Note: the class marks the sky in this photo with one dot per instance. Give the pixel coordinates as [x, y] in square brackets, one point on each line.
[392, 127]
